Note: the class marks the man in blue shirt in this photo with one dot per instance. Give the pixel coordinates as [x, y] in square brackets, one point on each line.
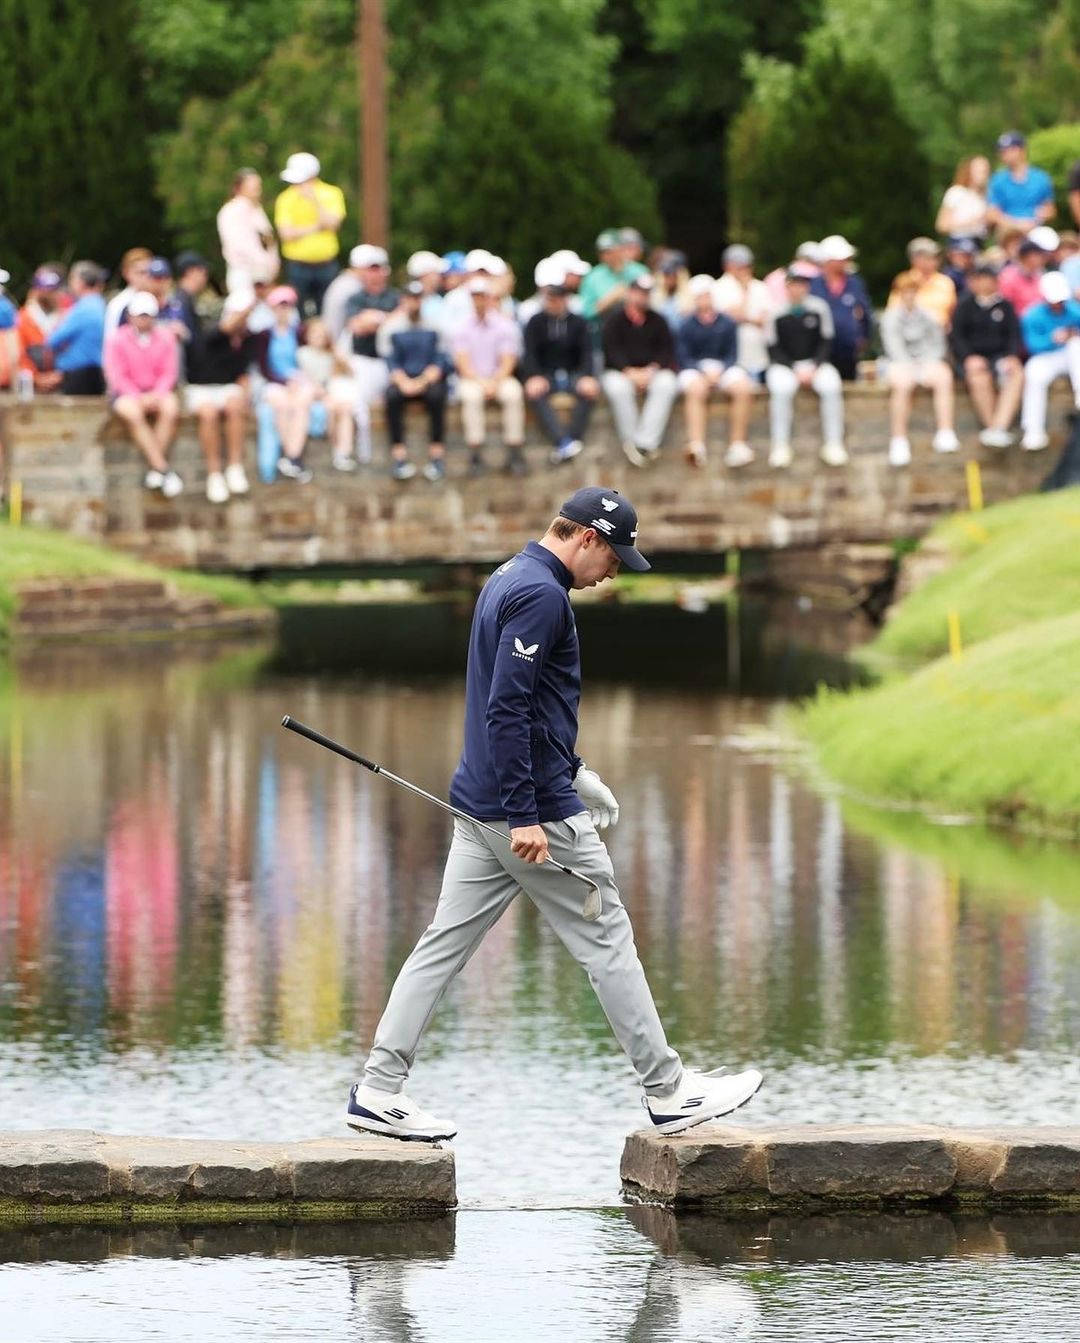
[1020, 195]
[78, 341]
[520, 772]
[1051, 331]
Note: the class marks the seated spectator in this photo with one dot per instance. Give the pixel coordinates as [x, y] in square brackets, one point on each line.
[914, 344]
[564, 263]
[485, 350]
[454, 275]
[365, 313]
[558, 358]
[9, 335]
[77, 340]
[808, 253]
[335, 390]
[1020, 195]
[605, 286]
[427, 269]
[38, 318]
[963, 212]
[746, 301]
[135, 271]
[1051, 331]
[246, 235]
[574, 270]
[141, 369]
[458, 306]
[960, 254]
[937, 293]
[707, 347]
[417, 370]
[180, 312]
[986, 345]
[842, 290]
[670, 296]
[639, 351]
[288, 391]
[308, 215]
[1050, 241]
[800, 337]
[218, 356]
[1020, 280]
[349, 282]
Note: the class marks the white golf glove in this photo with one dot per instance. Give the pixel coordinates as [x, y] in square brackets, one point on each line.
[599, 800]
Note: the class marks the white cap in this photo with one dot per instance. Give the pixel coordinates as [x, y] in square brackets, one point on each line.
[548, 272]
[496, 265]
[808, 251]
[143, 305]
[835, 248]
[300, 168]
[239, 300]
[424, 263]
[700, 284]
[479, 286]
[5, 276]
[1054, 287]
[1045, 237]
[478, 259]
[367, 254]
[571, 263]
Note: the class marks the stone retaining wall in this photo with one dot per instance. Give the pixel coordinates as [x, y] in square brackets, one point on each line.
[818, 1166]
[78, 1176]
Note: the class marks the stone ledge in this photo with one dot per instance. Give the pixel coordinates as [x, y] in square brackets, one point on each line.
[80, 1176]
[728, 1168]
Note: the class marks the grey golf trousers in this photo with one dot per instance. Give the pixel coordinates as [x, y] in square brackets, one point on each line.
[480, 880]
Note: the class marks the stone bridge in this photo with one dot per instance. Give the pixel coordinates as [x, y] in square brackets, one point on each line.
[78, 472]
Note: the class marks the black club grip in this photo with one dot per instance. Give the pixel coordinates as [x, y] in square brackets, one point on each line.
[317, 737]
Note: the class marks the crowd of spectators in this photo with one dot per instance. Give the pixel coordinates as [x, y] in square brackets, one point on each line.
[310, 348]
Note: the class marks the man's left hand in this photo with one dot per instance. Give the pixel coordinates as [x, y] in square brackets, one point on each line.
[598, 798]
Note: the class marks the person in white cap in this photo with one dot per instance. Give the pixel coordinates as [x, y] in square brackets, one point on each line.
[480, 264]
[842, 289]
[365, 313]
[799, 338]
[1051, 331]
[307, 216]
[551, 270]
[142, 365]
[427, 269]
[707, 346]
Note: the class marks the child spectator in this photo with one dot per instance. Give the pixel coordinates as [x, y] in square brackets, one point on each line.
[1051, 331]
[141, 370]
[558, 359]
[247, 238]
[799, 338]
[746, 301]
[335, 389]
[639, 352]
[417, 370]
[963, 212]
[485, 349]
[914, 344]
[843, 292]
[1020, 195]
[77, 340]
[1020, 279]
[308, 215]
[38, 318]
[936, 292]
[288, 391]
[707, 346]
[987, 347]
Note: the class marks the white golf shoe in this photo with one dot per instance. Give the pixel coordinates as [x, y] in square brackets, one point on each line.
[393, 1113]
[700, 1097]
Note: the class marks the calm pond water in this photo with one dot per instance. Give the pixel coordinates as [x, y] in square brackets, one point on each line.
[201, 916]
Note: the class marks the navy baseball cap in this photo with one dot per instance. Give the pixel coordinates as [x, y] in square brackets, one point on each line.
[610, 516]
[1011, 140]
[159, 268]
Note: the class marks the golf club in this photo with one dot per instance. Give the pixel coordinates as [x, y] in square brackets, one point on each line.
[590, 910]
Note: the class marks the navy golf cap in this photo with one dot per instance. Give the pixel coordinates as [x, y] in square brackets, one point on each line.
[610, 516]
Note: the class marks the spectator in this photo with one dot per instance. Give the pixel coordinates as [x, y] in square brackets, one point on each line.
[1051, 331]
[670, 296]
[633, 245]
[141, 370]
[1020, 279]
[605, 286]
[746, 301]
[808, 253]
[135, 272]
[963, 212]
[574, 270]
[987, 347]
[639, 351]
[558, 359]
[365, 313]
[417, 369]
[192, 277]
[335, 389]
[485, 350]
[458, 308]
[707, 347]
[289, 392]
[454, 275]
[159, 282]
[217, 360]
[428, 268]
[1068, 246]
[914, 344]
[800, 336]
[1050, 241]
[77, 340]
[844, 294]
[1070, 261]
[343, 286]
[38, 318]
[9, 334]
[937, 293]
[247, 238]
[1020, 195]
[308, 215]
[960, 254]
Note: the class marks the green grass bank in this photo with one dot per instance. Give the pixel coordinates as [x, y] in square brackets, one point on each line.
[994, 733]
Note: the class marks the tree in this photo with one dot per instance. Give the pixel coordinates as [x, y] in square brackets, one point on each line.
[77, 174]
[1056, 149]
[825, 149]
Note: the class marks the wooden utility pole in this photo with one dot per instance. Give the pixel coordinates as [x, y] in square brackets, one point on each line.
[371, 88]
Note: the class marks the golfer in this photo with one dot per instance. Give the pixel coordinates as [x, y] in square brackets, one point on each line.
[519, 772]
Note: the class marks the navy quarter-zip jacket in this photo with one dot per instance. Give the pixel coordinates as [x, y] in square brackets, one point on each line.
[522, 688]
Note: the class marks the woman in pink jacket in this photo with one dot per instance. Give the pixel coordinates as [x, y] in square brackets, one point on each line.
[141, 368]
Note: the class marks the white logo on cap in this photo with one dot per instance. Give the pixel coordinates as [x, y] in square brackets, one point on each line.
[604, 525]
[608, 504]
[520, 651]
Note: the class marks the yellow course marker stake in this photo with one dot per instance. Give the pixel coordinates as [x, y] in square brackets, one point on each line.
[15, 503]
[974, 487]
[956, 650]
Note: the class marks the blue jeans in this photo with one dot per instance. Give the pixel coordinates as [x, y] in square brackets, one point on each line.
[311, 281]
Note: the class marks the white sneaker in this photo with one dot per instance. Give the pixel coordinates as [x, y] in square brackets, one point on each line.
[834, 454]
[236, 479]
[781, 455]
[633, 453]
[899, 452]
[995, 438]
[695, 454]
[945, 440]
[1034, 441]
[700, 1097]
[172, 485]
[393, 1113]
[153, 480]
[738, 454]
[342, 461]
[216, 489]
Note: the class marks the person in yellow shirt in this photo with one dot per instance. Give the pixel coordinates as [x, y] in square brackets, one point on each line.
[307, 216]
[936, 293]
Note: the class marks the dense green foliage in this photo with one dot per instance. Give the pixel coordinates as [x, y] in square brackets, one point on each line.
[1056, 149]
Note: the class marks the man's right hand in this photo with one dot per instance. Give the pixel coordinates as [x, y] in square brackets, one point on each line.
[529, 843]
